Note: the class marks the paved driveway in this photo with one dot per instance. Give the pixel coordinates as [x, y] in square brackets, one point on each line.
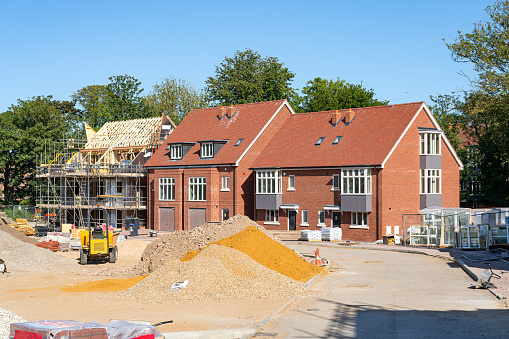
[383, 294]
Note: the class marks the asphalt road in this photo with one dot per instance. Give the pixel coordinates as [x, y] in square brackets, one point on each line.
[383, 294]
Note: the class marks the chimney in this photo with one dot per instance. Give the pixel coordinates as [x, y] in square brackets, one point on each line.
[230, 111]
[222, 110]
[349, 116]
[335, 118]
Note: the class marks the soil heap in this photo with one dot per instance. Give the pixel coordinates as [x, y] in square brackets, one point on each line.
[174, 246]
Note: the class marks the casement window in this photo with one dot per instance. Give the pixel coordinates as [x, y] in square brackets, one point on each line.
[268, 182]
[291, 182]
[175, 152]
[430, 181]
[321, 217]
[207, 150]
[430, 143]
[271, 215]
[304, 217]
[166, 189]
[197, 189]
[225, 184]
[335, 182]
[359, 219]
[356, 181]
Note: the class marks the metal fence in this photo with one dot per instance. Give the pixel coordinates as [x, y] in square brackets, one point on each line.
[21, 212]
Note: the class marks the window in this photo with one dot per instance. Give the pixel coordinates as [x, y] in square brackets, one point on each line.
[356, 181]
[238, 142]
[335, 181]
[305, 217]
[197, 189]
[291, 182]
[359, 219]
[321, 217]
[272, 216]
[320, 140]
[166, 189]
[207, 150]
[176, 152]
[430, 181]
[268, 182]
[430, 143]
[226, 184]
[337, 140]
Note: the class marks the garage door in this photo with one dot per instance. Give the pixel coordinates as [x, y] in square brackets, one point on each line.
[196, 217]
[167, 219]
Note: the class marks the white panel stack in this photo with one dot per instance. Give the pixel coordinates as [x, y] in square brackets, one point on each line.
[311, 235]
[331, 233]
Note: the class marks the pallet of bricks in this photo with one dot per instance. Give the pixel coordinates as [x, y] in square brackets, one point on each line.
[50, 245]
[63, 239]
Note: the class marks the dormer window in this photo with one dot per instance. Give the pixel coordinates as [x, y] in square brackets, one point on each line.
[175, 152]
[320, 140]
[207, 150]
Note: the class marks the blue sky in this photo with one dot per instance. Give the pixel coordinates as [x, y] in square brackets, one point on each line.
[394, 47]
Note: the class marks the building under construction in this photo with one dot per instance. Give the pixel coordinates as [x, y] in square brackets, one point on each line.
[106, 170]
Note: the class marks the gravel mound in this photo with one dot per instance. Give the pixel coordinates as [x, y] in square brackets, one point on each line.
[6, 318]
[175, 245]
[17, 234]
[21, 255]
[217, 273]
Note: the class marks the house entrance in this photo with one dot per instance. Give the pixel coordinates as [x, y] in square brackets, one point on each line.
[292, 220]
[336, 219]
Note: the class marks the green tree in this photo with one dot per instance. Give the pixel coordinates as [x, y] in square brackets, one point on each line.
[247, 77]
[485, 107]
[175, 98]
[324, 95]
[93, 100]
[124, 100]
[24, 128]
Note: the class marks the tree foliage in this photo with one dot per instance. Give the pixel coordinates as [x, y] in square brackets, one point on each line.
[93, 100]
[247, 77]
[24, 128]
[324, 95]
[175, 98]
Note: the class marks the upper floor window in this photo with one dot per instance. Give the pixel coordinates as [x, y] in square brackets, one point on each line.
[207, 150]
[225, 184]
[430, 181]
[356, 181]
[430, 143]
[268, 182]
[176, 152]
[197, 189]
[335, 181]
[291, 182]
[166, 189]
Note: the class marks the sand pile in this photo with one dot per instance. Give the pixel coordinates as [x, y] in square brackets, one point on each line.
[19, 255]
[175, 245]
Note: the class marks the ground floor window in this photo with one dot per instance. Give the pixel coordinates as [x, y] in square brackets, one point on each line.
[359, 219]
[305, 217]
[321, 217]
[272, 216]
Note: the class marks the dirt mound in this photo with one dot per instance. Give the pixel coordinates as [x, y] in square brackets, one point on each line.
[175, 245]
[217, 273]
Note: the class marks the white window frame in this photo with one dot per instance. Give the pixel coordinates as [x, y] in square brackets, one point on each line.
[305, 218]
[338, 186]
[175, 152]
[430, 143]
[322, 213]
[268, 182]
[431, 181]
[359, 220]
[166, 189]
[290, 186]
[225, 183]
[197, 189]
[207, 150]
[271, 217]
[356, 181]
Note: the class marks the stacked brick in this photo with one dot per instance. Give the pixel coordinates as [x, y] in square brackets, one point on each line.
[50, 245]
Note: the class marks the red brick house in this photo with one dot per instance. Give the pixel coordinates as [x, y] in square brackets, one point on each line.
[358, 169]
[201, 172]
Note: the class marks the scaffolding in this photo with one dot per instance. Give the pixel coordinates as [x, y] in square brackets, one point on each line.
[105, 170]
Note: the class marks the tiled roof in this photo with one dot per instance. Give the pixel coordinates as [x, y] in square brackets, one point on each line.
[367, 140]
[204, 124]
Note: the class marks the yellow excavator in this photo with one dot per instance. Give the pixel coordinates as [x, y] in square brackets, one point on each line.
[97, 243]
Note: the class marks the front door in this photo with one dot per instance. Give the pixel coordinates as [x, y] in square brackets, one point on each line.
[226, 214]
[336, 219]
[292, 217]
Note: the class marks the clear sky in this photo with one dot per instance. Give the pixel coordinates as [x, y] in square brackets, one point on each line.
[394, 47]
